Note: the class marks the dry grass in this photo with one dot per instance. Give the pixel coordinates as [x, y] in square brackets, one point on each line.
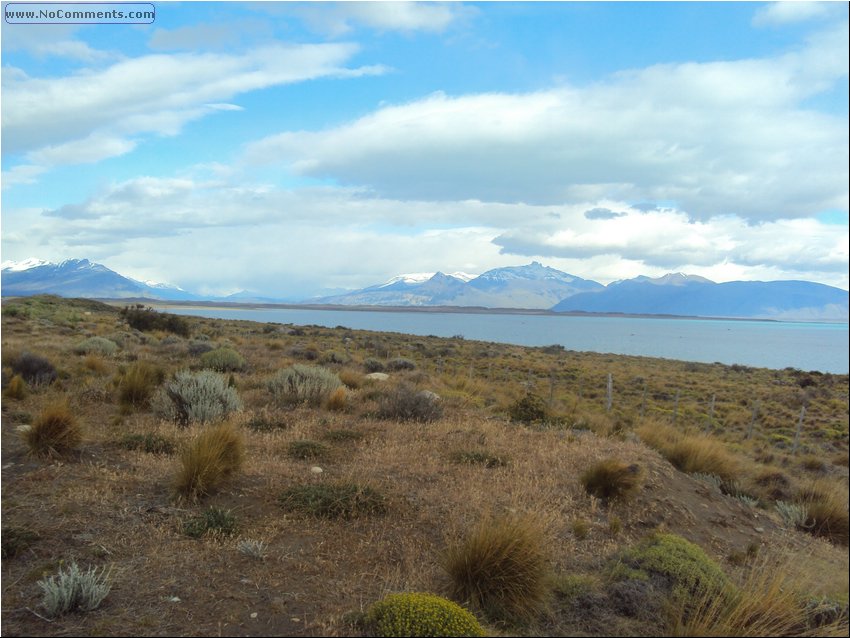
[55, 433]
[208, 461]
[826, 504]
[17, 389]
[501, 569]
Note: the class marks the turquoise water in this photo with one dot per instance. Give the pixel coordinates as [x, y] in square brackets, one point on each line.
[766, 344]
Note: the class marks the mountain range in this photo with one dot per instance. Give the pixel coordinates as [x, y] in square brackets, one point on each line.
[532, 286]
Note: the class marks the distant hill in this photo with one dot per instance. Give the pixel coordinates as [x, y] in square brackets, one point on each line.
[530, 286]
[81, 278]
[678, 294]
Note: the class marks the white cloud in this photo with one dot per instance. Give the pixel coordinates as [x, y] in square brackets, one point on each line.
[52, 119]
[720, 138]
[22, 174]
[789, 12]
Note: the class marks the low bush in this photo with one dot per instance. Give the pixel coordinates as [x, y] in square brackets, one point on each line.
[333, 500]
[529, 409]
[56, 432]
[398, 364]
[223, 360]
[202, 397]
[478, 457]
[214, 521]
[415, 614]
[208, 461]
[405, 403]
[74, 590]
[34, 369]
[612, 479]
[303, 384]
[373, 365]
[96, 345]
[500, 569]
[342, 436]
[148, 319]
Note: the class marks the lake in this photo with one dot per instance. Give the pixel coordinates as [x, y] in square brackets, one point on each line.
[766, 344]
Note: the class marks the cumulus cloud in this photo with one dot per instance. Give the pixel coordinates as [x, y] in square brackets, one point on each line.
[782, 13]
[54, 120]
[715, 138]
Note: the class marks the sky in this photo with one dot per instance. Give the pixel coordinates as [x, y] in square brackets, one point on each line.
[293, 149]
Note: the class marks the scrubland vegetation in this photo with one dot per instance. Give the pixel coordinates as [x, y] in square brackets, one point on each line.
[164, 475]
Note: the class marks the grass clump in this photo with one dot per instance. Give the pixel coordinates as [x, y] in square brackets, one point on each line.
[17, 389]
[55, 433]
[16, 540]
[214, 521]
[529, 409]
[478, 457]
[337, 400]
[306, 449]
[343, 436]
[138, 383]
[208, 461]
[333, 500]
[150, 443]
[96, 345]
[223, 360]
[197, 397]
[34, 369]
[405, 403]
[500, 568]
[612, 479]
[826, 508]
[74, 590]
[303, 384]
[398, 364]
[675, 565]
[415, 614]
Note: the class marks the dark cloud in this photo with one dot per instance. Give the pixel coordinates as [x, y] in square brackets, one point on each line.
[602, 213]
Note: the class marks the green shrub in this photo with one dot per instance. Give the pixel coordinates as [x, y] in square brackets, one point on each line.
[373, 365]
[676, 565]
[405, 403]
[34, 369]
[208, 461]
[138, 383]
[414, 614]
[306, 449]
[214, 521]
[148, 319]
[303, 384]
[74, 590]
[150, 443]
[479, 457]
[611, 479]
[529, 409]
[223, 360]
[96, 345]
[333, 500]
[56, 432]
[203, 397]
[17, 389]
[398, 364]
[500, 569]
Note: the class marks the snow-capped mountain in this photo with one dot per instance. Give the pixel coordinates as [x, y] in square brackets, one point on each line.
[80, 278]
[530, 286]
[691, 295]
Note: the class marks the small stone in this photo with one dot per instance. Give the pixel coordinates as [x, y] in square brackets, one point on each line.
[316, 470]
[174, 599]
[254, 615]
[760, 530]
[293, 619]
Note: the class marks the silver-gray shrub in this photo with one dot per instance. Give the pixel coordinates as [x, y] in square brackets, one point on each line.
[74, 590]
[96, 345]
[201, 397]
[303, 384]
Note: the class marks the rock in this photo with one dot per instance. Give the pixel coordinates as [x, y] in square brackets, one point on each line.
[378, 376]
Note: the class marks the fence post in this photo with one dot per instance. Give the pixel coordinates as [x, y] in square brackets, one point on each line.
[676, 408]
[753, 420]
[710, 422]
[610, 392]
[643, 401]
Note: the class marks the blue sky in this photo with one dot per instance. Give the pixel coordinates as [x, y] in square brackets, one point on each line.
[288, 148]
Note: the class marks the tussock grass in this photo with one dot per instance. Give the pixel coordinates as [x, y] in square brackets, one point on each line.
[405, 403]
[55, 433]
[208, 461]
[214, 521]
[500, 568]
[17, 389]
[826, 506]
[137, 384]
[303, 384]
[612, 479]
[691, 454]
[337, 400]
